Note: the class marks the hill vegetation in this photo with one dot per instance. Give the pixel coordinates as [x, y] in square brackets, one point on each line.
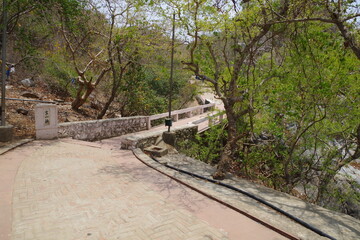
[100, 56]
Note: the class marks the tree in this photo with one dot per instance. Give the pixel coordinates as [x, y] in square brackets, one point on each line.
[342, 14]
[288, 81]
[309, 111]
[297, 88]
[140, 83]
[85, 41]
[137, 96]
[225, 43]
[20, 8]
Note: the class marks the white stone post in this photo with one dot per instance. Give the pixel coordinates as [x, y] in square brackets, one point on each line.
[148, 123]
[189, 114]
[211, 121]
[175, 117]
[46, 121]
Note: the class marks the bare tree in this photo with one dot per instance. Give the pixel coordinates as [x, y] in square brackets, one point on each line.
[117, 48]
[89, 63]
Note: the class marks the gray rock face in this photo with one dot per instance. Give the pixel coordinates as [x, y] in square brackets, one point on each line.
[169, 138]
[348, 185]
[28, 82]
[349, 171]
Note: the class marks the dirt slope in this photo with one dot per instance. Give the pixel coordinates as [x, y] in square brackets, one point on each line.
[21, 115]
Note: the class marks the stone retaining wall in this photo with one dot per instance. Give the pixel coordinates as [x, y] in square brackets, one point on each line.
[101, 129]
[143, 140]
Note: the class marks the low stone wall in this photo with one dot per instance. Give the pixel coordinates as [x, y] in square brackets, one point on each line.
[101, 129]
[185, 133]
[143, 140]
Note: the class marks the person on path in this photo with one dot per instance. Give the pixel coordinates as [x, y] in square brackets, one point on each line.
[9, 71]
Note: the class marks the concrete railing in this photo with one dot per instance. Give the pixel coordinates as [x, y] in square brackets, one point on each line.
[188, 111]
[213, 119]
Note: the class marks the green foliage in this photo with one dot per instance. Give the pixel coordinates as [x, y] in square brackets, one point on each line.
[342, 196]
[145, 87]
[59, 74]
[207, 146]
[309, 103]
[145, 91]
[138, 95]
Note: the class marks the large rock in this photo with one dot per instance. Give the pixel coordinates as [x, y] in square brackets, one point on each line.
[169, 138]
[71, 119]
[29, 95]
[95, 105]
[28, 82]
[348, 188]
[22, 111]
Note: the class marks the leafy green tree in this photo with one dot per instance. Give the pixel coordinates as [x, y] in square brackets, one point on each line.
[341, 14]
[225, 44]
[238, 48]
[28, 22]
[309, 110]
[120, 46]
[289, 82]
[137, 96]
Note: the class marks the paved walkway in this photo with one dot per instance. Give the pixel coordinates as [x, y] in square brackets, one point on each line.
[201, 126]
[68, 189]
[337, 225]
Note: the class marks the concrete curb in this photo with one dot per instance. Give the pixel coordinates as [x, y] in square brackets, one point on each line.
[341, 227]
[203, 187]
[16, 144]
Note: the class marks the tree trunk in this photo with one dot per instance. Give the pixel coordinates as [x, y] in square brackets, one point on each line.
[229, 148]
[349, 38]
[107, 105]
[114, 90]
[81, 99]
[226, 159]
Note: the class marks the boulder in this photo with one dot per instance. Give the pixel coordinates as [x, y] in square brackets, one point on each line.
[71, 119]
[28, 82]
[95, 105]
[22, 111]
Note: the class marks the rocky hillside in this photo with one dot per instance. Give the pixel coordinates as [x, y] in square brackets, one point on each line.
[23, 95]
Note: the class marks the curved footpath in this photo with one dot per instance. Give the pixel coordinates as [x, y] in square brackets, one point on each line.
[337, 225]
[69, 189]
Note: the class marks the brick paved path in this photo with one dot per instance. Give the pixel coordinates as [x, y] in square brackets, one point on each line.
[75, 190]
